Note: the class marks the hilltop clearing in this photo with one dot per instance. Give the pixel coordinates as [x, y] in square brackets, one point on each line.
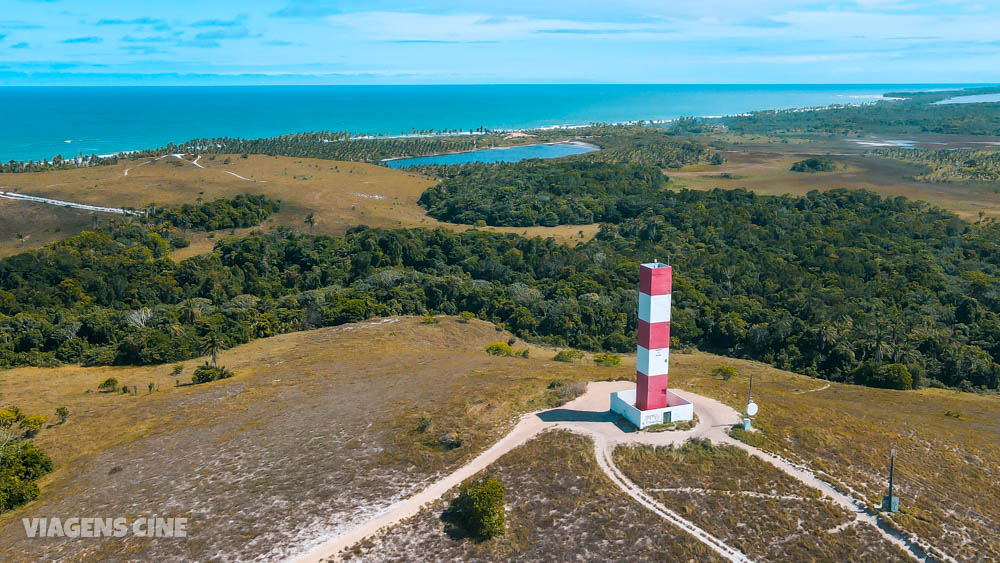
[316, 431]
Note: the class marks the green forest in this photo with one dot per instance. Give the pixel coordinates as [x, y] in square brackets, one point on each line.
[245, 210]
[911, 113]
[635, 143]
[536, 192]
[842, 285]
[812, 165]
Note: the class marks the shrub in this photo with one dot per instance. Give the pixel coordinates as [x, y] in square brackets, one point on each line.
[560, 392]
[450, 440]
[505, 349]
[480, 507]
[500, 349]
[725, 372]
[207, 372]
[109, 385]
[953, 414]
[607, 360]
[465, 316]
[430, 320]
[62, 413]
[814, 165]
[32, 424]
[681, 426]
[9, 416]
[21, 462]
[177, 370]
[423, 423]
[891, 376]
[568, 356]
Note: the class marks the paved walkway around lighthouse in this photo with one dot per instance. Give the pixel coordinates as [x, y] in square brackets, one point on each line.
[589, 415]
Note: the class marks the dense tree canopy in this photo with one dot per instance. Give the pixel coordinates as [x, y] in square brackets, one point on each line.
[245, 210]
[533, 192]
[904, 112]
[820, 164]
[840, 284]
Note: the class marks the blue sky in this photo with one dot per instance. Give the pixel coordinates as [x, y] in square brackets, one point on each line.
[510, 41]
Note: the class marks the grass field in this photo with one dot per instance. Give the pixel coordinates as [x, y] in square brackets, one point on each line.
[318, 430]
[751, 505]
[764, 168]
[344, 194]
[338, 194]
[947, 468]
[560, 507]
[39, 224]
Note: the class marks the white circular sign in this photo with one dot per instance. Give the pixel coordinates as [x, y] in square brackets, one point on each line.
[751, 408]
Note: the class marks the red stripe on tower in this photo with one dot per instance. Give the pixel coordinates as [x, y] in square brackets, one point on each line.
[655, 279]
[654, 335]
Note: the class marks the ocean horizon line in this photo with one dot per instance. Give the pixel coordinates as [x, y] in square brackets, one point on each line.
[46, 121]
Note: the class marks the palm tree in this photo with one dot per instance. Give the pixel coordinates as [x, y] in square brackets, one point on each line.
[189, 312]
[310, 220]
[213, 343]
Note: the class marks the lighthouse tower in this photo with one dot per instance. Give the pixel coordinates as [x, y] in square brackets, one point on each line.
[652, 359]
[651, 402]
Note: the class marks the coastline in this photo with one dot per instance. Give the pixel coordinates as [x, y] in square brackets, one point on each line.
[501, 131]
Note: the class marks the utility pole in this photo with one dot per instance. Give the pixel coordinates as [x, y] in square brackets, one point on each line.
[891, 503]
[892, 469]
[751, 409]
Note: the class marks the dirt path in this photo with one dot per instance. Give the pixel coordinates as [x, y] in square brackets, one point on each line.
[605, 459]
[70, 204]
[589, 415]
[823, 388]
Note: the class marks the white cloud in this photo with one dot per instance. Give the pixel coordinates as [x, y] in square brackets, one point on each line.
[409, 26]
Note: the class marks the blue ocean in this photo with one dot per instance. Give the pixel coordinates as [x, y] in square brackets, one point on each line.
[41, 122]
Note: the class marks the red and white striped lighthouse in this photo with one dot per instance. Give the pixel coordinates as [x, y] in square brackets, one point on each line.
[651, 403]
[653, 352]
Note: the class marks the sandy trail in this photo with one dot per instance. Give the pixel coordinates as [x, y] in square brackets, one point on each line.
[70, 204]
[823, 388]
[589, 415]
[238, 176]
[136, 166]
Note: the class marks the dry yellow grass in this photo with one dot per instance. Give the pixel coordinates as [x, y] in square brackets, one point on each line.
[766, 171]
[560, 506]
[295, 389]
[947, 468]
[751, 505]
[38, 223]
[338, 194]
[324, 419]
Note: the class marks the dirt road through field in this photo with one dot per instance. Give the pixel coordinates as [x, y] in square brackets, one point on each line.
[589, 415]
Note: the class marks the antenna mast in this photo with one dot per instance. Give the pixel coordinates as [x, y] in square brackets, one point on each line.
[891, 503]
